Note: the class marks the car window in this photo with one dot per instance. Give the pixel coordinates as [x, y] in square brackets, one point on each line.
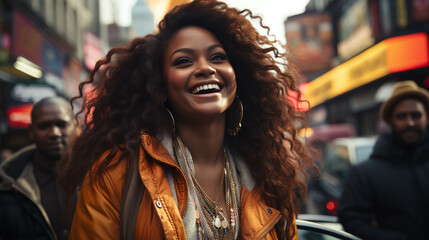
[336, 161]
[363, 153]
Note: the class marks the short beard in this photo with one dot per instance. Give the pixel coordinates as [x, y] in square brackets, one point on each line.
[53, 158]
[398, 136]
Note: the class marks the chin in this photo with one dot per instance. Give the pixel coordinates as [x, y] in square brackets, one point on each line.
[55, 157]
[410, 142]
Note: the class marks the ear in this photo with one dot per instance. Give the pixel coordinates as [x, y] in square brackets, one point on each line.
[30, 131]
[77, 129]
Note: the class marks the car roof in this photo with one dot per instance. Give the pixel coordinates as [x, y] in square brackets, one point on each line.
[356, 141]
[315, 227]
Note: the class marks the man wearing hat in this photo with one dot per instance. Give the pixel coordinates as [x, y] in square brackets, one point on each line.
[387, 197]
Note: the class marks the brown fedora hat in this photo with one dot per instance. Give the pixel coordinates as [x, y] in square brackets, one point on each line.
[400, 91]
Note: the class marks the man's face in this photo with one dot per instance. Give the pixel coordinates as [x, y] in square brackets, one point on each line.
[409, 120]
[51, 130]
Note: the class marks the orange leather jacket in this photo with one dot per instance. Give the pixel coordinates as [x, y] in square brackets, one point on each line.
[159, 217]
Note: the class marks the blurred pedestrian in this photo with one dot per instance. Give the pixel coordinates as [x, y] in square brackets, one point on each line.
[185, 132]
[31, 205]
[5, 153]
[387, 197]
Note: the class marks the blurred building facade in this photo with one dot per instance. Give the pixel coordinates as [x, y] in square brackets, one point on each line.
[145, 16]
[47, 48]
[350, 52]
[142, 19]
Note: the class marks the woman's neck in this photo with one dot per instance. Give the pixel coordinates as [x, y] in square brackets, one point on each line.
[205, 143]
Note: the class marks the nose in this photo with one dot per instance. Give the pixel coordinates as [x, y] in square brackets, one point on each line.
[54, 131]
[410, 120]
[204, 69]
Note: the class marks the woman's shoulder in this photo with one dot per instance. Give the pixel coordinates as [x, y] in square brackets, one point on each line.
[108, 175]
[116, 164]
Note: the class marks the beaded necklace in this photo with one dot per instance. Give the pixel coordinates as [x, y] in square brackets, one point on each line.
[215, 224]
[211, 209]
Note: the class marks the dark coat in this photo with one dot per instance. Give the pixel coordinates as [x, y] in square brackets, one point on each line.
[387, 197]
[21, 212]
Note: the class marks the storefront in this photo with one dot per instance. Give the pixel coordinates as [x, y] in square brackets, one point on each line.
[353, 91]
[34, 63]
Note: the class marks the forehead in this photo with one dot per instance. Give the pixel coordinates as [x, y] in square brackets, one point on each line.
[192, 37]
[409, 105]
[52, 112]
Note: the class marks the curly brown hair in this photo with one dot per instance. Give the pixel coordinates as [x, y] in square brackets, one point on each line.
[130, 98]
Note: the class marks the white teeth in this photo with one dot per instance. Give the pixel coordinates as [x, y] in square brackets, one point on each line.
[206, 87]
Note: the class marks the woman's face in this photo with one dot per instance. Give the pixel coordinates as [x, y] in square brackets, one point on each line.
[200, 80]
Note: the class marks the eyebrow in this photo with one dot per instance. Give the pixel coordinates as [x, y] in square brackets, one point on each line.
[189, 50]
[214, 46]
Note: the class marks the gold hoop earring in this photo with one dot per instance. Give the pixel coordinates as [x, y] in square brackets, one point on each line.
[234, 117]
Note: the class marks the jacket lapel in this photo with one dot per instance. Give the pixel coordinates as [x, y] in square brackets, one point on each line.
[257, 219]
[153, 176]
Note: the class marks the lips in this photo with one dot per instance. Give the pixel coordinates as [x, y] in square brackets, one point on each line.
[56, 145]
[410, 133]
[206, 88]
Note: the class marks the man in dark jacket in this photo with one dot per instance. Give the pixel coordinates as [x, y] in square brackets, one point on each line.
[387, 197]
[31, 203]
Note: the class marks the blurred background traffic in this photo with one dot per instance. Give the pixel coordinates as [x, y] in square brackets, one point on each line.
[348, 54]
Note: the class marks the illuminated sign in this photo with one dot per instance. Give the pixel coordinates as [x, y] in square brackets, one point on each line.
[19, 116]
[27, 39]
[389, 56]
[302, 105]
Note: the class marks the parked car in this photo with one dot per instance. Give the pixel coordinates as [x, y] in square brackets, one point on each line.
[338, 157]
[320, 228]
[325, 220]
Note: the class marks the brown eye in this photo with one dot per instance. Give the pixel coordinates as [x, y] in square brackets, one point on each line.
[62, 124]
[401, 116]
[416, 115]
[218, 57]
[43, 126]
[182, 61]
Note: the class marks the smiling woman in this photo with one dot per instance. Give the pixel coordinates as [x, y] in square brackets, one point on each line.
[200, 80]
[185, 137]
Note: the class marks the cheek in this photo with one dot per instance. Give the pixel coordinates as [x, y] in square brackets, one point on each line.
[424, 121]
[398, 125]
[170, 82]
[229, 75]
[38, 135]
[175, 79]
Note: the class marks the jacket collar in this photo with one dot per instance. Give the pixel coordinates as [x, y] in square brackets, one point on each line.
[12, 168]
[17, 174]
[257, 218]
[158, 152]
[388, 148]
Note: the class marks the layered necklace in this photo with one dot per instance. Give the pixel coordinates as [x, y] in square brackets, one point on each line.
[212, 221]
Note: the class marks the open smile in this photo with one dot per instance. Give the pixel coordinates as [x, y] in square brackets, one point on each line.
[206, 88]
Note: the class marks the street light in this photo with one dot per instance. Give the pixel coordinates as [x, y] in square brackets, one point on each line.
[26, 66]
